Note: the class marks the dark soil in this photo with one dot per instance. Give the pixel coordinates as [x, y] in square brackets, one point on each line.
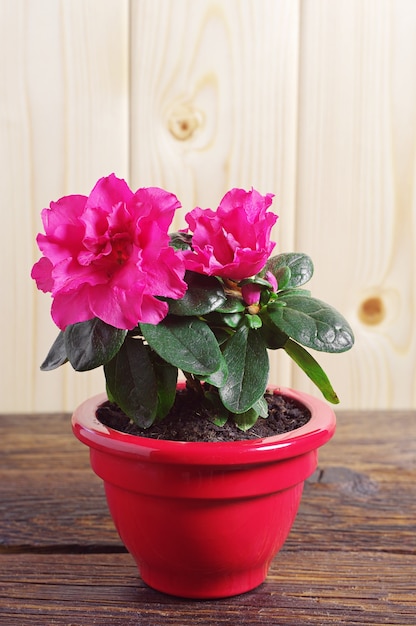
[187, 421]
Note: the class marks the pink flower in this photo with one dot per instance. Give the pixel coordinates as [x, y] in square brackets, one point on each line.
[233, 242]
[107, 255]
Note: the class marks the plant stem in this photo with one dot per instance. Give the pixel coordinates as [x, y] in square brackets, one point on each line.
[194, 384]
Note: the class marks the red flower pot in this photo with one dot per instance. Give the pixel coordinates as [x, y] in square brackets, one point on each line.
[204, 520]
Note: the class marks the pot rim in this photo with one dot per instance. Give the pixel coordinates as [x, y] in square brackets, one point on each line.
[312, 435]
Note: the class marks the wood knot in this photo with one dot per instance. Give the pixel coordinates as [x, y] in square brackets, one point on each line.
[183, 122]
[372, 311]
[350, 482]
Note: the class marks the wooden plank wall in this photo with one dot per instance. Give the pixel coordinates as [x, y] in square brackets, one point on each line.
[313, 100]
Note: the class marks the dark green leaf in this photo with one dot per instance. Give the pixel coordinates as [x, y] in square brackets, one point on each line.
[231, 305]
[292, 292]
[132, 383]
[92, 343]
[248, 369]
[255, 280]
[313, 323]
[180, 241]
[283, 276]
[186, 343]
[216, 410]
[246, 420]
[272, 335]
[275, 304]
[300, 268]
[218, 378]
[56, 355]
[221, 334]
[311, 369]
[204, 294]
[166, 379]
[231, 320]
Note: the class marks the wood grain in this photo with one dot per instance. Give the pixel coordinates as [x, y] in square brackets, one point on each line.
[356, 197]
[228, 73]
[314, 588]
[313, 101]
[63, 124]
[349, 559]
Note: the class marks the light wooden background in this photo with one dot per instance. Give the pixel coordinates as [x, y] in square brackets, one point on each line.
[313, 100]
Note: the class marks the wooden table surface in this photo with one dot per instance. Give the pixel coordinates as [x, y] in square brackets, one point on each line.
[350, 558]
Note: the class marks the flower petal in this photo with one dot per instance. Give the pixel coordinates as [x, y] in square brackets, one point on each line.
[235, 241]
[108, 255]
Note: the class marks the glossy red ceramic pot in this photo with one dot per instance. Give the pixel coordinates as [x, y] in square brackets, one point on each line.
[204, 520]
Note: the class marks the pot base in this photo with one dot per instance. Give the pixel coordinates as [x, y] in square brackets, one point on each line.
[205, 547]
[210, 588]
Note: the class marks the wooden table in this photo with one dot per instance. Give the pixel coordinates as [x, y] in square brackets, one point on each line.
[350, 558]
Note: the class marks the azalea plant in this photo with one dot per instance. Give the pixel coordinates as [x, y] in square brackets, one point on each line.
[209, 300]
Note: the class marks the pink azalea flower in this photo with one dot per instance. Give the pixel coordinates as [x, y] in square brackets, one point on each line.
[233, 242]
[108, 255]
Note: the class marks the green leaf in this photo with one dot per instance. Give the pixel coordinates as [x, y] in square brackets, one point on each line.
[255, 280]
[186, 343]
[221, 334]
[204, 294]
[313, 323]
[312, 369]
[248, 369]
[218, 378]
[231, 320]
[231, 305]
[275, 304]
[132, 383]
[253, 321]
[56, 355]
[245, 420]
[92, 343]
[180, 241]
[291, 269]
[271, 334]
[292, 292]
[262, 407]
[216, 410]
[219, 419]
[283, 276]
[166, 379]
